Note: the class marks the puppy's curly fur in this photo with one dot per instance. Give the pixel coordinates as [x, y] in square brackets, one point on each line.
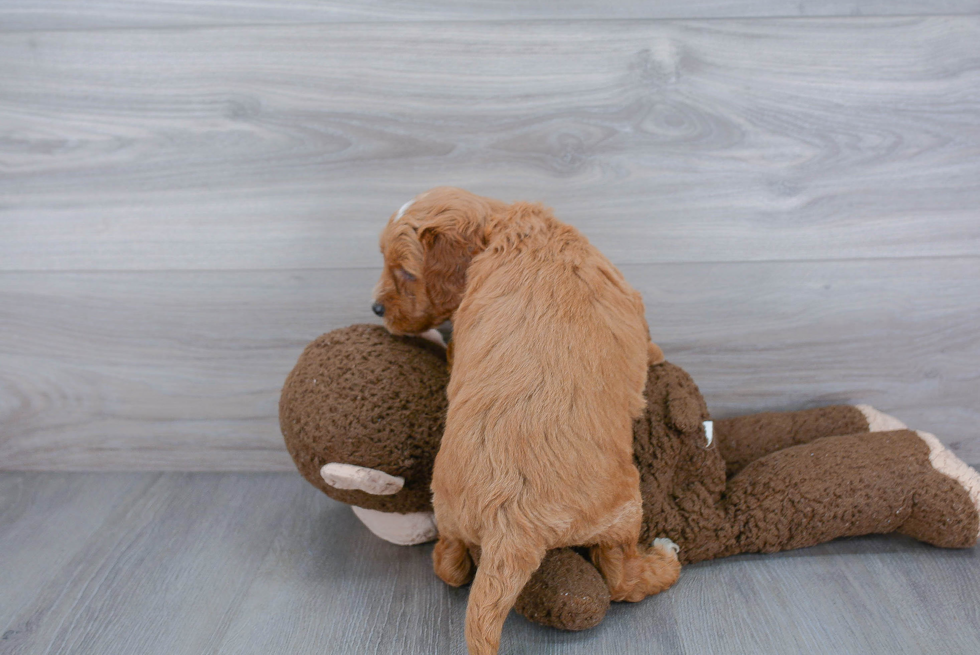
[550, 359]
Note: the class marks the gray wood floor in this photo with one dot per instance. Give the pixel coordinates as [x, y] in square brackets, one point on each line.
[263, 563]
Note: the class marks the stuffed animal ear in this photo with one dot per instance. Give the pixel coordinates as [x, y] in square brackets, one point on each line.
[686, 410]
[372, 481]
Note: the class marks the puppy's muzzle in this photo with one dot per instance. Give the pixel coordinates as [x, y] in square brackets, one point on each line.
[378, 309]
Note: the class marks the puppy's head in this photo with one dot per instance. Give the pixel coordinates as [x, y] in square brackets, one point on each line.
[427, 246]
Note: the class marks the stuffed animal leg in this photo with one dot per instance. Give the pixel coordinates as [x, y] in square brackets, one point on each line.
[903, 481]
[744, 439]
[867, 483]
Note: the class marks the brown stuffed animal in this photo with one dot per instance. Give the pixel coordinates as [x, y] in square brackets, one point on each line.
[362, 414]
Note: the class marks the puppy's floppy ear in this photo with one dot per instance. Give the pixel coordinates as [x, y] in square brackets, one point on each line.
[447, 247]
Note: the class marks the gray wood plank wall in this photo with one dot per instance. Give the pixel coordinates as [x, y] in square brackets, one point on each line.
[191, 193]
[68, 14]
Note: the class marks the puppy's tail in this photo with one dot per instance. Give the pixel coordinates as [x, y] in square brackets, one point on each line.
[505, 567]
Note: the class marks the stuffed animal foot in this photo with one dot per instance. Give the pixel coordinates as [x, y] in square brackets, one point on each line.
[634, 572]
[946, 508]
[566, 592]
[879, 421]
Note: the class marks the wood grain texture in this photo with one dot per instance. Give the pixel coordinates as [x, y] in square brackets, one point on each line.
[149, 579]
[17, 15]
[286, 147]
[182, 370]
[43, 520]
[263, 563]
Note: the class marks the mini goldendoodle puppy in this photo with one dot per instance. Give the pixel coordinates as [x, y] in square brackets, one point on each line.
[550, 352]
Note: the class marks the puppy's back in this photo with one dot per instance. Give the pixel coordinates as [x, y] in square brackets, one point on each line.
[549, 368]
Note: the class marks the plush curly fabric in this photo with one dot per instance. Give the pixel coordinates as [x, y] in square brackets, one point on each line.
[789, 487]
[361, 396]
[749, 438]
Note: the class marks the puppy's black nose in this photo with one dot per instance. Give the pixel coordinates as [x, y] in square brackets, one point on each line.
[378, 309]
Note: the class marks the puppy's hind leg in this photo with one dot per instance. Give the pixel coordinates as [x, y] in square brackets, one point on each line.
[451, 561]
[632, 571]
[505, 567]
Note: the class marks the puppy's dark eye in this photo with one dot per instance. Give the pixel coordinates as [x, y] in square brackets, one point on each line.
[405, 275]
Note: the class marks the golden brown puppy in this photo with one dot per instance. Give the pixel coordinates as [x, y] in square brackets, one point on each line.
[551, 350]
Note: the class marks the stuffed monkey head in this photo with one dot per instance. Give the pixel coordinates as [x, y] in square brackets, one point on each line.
[362, 414]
